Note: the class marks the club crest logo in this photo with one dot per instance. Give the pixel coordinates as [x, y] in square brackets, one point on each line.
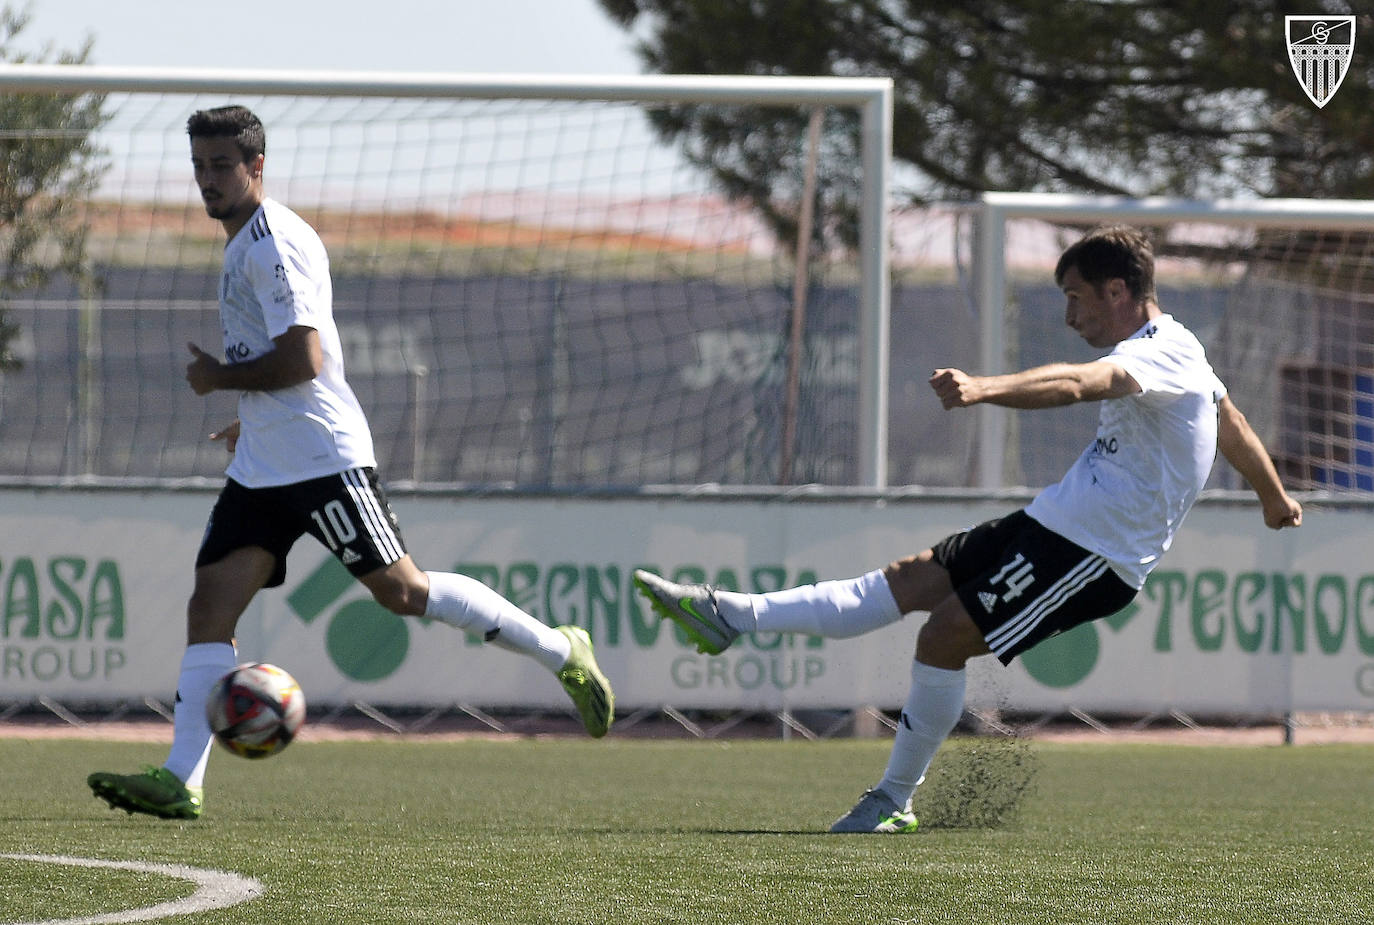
[1320, 48]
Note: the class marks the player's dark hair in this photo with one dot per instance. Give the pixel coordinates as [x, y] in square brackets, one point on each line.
[1112, 252]
[236, 122]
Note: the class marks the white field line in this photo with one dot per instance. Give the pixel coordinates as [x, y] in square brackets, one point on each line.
[214, 889]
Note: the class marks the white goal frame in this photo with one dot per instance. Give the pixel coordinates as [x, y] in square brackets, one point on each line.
[872, 96]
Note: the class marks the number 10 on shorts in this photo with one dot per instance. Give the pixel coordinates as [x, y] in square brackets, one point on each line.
[335, 525]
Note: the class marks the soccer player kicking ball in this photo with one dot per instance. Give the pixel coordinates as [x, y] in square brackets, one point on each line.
[302, 463]
[1079, 552]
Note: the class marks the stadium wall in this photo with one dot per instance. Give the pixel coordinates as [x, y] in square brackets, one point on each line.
[1237, 620]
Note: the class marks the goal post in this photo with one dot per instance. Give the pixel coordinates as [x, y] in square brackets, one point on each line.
[1278, 288]
[421, 133]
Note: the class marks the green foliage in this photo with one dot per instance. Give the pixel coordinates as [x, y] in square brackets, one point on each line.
[1155, 97]
[49, 165]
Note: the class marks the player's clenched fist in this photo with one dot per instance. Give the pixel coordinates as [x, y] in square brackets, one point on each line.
[955, 388]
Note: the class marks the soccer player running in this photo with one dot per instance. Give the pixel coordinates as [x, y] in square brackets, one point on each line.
[1080, 551]
[302, 462]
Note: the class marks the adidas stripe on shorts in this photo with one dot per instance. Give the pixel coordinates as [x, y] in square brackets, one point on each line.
[348, 513]
[1023, 583]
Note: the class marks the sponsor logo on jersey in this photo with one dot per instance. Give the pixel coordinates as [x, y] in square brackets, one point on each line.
[1106, 446]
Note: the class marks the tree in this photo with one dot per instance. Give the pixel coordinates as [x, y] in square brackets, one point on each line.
[1125, 97]
[49, 165]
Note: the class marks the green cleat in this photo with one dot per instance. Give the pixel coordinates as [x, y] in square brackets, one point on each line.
[692, 607]
[586, 685]
[876, 812]
[155, 791]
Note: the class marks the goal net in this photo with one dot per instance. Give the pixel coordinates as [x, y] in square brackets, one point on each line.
[531, 290]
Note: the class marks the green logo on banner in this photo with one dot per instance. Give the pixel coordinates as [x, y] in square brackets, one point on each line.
[1066, 659]
[1213, 611]
[365, 641]
[61, 619]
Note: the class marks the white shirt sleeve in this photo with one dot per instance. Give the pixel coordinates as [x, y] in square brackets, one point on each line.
[1165, 367]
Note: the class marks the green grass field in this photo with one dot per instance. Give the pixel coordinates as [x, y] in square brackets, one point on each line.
[622, 831]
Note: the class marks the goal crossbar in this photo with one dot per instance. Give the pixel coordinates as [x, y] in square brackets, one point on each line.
[1329, 214]
[664, 88]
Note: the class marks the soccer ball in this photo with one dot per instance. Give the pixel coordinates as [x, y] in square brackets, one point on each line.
[255, 710]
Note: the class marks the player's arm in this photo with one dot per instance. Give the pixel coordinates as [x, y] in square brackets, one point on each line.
[1243, 449]
[297, 357]
[1042, 387]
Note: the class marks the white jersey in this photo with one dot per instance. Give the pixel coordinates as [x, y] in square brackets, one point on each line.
[276, 276]
[1126, 495]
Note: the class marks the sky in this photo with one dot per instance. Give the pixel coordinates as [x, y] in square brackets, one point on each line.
[413, 36]
[466, 36]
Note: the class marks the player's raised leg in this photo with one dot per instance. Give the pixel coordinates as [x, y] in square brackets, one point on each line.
[839, 609]
[471, 606]
[714, 618]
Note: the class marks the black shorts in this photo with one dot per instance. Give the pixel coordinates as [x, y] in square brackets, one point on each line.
[347, 512]
[1023, 583]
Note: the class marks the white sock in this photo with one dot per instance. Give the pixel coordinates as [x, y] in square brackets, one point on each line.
[835, 609]
[201, 666]
[470, 605]
[933, 707]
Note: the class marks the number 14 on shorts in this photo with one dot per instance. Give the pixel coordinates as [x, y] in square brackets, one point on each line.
[1017, 575]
